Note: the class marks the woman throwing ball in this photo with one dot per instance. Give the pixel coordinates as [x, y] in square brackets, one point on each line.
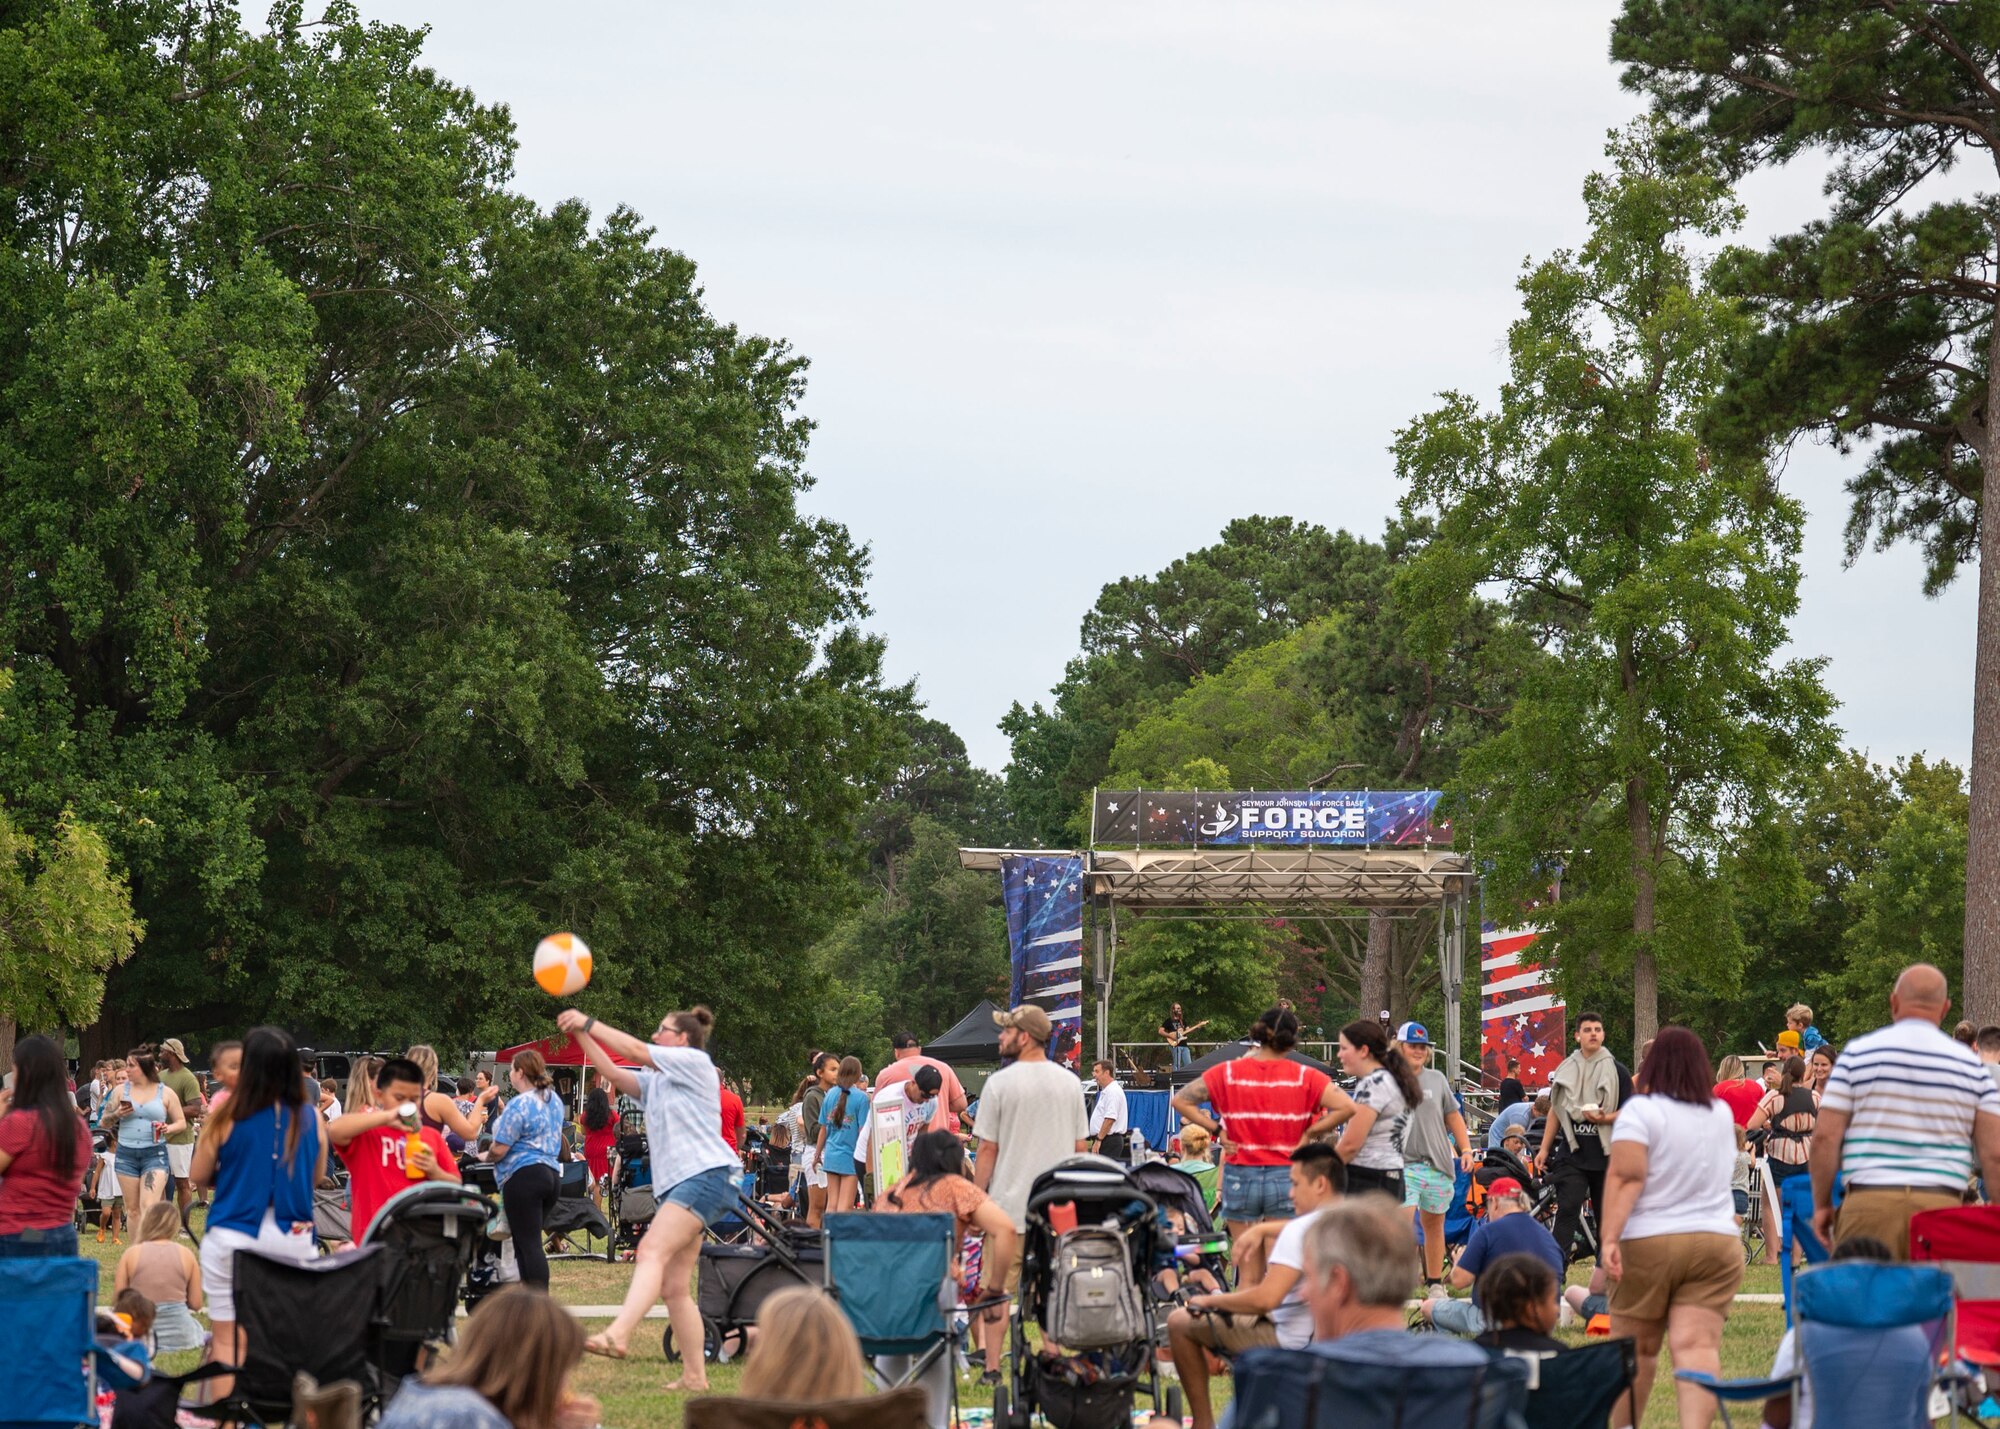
[694, 1171]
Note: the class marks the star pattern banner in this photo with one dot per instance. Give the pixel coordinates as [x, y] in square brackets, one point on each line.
[1350, 818]
[1044, 899]
[1520, 1017]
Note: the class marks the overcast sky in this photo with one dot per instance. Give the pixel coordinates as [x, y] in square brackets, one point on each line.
[1081, 283]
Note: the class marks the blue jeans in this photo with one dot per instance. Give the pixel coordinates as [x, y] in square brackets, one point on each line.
[39, 1242]
[1256, 1193]
[1183, 1057]
[709, 1195]
[1458, 1317]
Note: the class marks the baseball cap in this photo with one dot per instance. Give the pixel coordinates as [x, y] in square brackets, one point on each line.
[903, 1041]
[1506, 1186]
[1027, 1018]
[1413, 1034]
[928, 1078]
[173, 1045]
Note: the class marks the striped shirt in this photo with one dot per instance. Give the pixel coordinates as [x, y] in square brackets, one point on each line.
[1266, 1104]
[1910, 1094]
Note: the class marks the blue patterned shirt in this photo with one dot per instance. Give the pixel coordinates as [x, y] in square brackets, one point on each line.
[531, 1130]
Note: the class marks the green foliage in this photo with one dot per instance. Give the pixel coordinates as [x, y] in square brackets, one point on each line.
[1657, 574]
[1224, 972]
[392, 570]
[65, 921]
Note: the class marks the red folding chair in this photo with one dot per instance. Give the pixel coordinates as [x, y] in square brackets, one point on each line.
[1965, 1240]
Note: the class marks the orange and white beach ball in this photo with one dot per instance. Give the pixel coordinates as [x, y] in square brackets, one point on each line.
[562, 964]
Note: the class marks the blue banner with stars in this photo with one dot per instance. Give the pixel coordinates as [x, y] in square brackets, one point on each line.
[1044, 899]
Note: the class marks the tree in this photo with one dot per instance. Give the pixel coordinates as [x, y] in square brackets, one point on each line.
[1149, 638]
[1662, 574]
[1876, 323]
[65, 920]
[392, 570]
[1223, 973]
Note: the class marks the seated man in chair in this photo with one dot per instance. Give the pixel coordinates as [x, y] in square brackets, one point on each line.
[1271, 1312]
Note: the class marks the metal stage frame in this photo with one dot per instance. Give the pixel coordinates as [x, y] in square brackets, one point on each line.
[1261, 881]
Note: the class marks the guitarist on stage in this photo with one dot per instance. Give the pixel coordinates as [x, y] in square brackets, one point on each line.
[1175, 1032]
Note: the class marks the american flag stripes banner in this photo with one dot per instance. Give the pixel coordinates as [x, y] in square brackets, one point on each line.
[1520, 1017]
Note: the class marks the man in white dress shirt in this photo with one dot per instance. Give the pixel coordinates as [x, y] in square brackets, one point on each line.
[1110, 1122]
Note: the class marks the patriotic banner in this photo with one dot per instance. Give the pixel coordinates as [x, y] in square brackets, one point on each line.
[1520, 1017]
[1044, 898]
[1344, 818]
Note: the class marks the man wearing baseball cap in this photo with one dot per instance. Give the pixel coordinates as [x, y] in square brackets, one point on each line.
[1505, 1231]
[1435, 1131]
[1030, 1118]
[175, 1076]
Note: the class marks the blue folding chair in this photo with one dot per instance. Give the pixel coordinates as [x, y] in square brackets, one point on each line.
[1311, 1389]
[48, 1323]
[1795, 1228]
[1865, 1372]
[889, 1275]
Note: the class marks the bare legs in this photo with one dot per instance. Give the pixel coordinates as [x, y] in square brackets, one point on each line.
[1694, 1335]
[664, 1263]
[841, 1192]
[1433, 1224]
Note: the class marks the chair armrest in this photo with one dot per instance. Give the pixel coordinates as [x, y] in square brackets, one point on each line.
[1738, 1390]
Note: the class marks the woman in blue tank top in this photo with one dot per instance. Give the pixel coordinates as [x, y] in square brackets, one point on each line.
[146, 1113]
[263, 1151]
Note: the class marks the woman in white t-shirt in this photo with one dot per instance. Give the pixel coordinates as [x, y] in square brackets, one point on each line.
[1669, 1237]
[694, 1171]
[1371, 1136]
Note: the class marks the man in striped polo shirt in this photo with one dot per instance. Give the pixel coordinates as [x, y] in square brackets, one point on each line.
[1904, 1115]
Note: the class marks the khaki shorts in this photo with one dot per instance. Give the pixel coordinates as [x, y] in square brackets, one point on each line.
[1013, 1281]
[1885, 1215]
[1665, 1271]
[1229, 1333]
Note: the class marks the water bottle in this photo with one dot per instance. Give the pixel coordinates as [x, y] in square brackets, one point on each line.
[1138, 1147]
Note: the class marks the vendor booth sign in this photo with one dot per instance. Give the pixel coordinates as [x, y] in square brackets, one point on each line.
[1337, 818]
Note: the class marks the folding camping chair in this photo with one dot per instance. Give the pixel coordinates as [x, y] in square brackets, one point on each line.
[1579, 1386]
[1863, 1374]
[1793, 1198]
[322, 1317]
[47, 1322]
[891, 1276]
[1965, 1240]
[898, 1409]
[1308, 1389]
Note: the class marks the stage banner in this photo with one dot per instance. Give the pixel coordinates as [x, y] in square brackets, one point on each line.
[1341, 818]
[1044, 898]
[1520, 1017]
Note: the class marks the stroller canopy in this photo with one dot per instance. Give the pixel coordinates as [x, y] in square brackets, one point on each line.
[1230, 1051]
[972, 1040]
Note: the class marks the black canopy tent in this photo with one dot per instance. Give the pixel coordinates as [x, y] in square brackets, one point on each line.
[1230, 1051]
[972, 1040]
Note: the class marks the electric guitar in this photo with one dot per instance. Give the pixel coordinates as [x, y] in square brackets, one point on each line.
[1177, 1039]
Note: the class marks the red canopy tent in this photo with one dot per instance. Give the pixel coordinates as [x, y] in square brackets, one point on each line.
[557, 1052]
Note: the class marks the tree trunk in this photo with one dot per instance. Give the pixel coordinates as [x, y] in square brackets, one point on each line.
[8, 1031]
[1645, 975]
[1980, 990]
[1375, 965]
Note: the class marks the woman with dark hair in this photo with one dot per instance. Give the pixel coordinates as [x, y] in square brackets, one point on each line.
[1385, 1092]
[694, 1171]
[600, 1135]
[936, 1181]
[1790, 1113]
[263, 1153]
[146, 1114]
[1268, 1102]
[44, 1153]
[527, 1145]
[1669, 1237]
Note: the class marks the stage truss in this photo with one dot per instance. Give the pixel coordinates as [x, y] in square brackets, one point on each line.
[1261, 882]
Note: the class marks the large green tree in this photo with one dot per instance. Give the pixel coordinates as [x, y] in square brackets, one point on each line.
[1663, 575]
[392, 569]
[1877, 321]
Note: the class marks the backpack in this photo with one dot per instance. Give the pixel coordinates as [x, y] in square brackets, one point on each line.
[1092, 1300]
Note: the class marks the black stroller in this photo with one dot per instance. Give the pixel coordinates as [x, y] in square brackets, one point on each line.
[432, 1235]
[737, 1277]
[1120, 1225]
[630, 1199]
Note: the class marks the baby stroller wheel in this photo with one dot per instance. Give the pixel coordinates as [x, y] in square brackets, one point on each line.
[1003, 1407]
[1173, 1409]
[712, 1337]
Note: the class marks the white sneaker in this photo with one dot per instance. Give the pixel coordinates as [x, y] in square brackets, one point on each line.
[1565, 1315]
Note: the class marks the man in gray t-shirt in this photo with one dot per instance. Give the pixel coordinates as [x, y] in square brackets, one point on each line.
[1031, 1119]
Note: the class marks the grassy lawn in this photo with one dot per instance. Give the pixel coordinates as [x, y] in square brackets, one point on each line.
[634, 1396]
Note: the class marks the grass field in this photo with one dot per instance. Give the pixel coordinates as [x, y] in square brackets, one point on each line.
[634, 1397]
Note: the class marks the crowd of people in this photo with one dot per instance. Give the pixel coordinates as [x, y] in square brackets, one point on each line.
[1334, 1196]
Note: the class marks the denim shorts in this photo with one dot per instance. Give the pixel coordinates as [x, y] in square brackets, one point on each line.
[40, 1242]
[1256, 1193]
[137, 1161]
[708, 1195]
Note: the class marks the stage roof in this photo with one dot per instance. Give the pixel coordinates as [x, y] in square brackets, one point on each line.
[1294, 879]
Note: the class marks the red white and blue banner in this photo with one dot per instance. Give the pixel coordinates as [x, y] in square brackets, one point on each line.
[1044, 899]
[1520, 1017]
[1340, 818]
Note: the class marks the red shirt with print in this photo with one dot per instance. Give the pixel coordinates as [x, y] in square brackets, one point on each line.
[1265, 1104]
[375, 1170]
